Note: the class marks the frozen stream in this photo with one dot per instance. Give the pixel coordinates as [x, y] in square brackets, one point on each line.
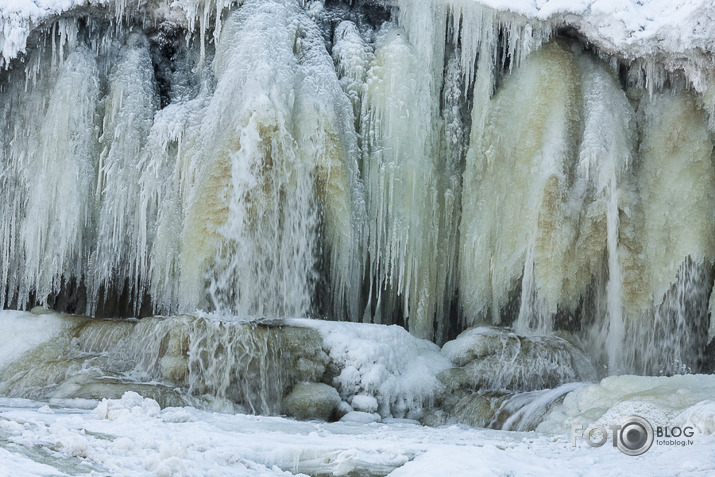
[139, 439]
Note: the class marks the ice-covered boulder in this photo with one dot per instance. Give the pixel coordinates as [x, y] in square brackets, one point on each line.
[496, 358]
[360, 417]
[130, 404]
[312, 401]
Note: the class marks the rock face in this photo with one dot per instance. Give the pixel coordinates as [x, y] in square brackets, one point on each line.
[312, 401]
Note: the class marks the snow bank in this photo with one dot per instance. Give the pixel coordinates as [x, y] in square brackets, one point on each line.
[663, 401]
[635, 26]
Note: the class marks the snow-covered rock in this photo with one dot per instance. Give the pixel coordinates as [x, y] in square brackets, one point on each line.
[361, 417]
[361, 402]
[386, 363]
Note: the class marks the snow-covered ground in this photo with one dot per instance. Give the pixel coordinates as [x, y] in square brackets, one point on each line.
[132, 436]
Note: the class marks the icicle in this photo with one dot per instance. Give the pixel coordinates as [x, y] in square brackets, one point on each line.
[352, 60]
[453, 149]
[711, 310]
[401, 186]
[515, 184]
[325, 136]
[58, 173]
[425, 23]
[173, 142]
[124, 228]
[676, 181]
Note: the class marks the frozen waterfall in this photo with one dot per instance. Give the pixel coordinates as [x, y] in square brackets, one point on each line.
[433, 164]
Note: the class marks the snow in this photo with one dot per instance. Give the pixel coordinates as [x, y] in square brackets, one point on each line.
[639, 26]
[186, 441]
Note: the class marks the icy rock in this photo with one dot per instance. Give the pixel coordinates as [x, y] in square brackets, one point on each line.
[364, 403]
[476, 410]
[41, 310]
[434, 418]
[494, 358]
[677, 399]
[454, 379]
[312, 401]
[175, 369]
[474, 343]
[343, 409]
[700, 416]
[94, 387]
[386, 362]
[457, 385]
[305, 346]
[174, 365]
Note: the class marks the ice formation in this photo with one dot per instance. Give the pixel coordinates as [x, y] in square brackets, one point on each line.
[545, 166]
[377, 213]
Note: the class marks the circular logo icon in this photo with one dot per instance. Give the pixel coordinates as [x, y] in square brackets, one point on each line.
[635, 436]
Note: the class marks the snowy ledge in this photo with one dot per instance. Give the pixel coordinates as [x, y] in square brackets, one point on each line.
[18, 18]
[678, 33]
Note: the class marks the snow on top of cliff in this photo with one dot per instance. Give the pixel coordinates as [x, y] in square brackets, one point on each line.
[19, 17]
[629, 28]
[634, 27]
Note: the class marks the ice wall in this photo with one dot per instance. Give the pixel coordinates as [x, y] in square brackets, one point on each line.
[220, 200]
[436, 165]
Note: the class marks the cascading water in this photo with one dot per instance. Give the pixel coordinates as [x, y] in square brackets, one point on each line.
[438, 165]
